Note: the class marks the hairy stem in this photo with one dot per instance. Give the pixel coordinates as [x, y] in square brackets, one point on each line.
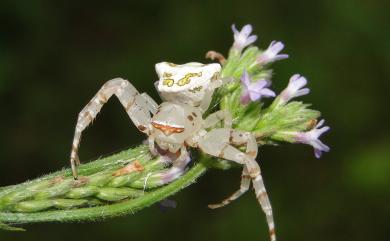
[108, 210]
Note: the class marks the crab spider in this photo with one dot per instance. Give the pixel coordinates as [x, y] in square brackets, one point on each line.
[177, 123]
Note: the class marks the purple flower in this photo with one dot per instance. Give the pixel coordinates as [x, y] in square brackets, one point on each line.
[243, 38]
[252, 91]
[294, 88]
[271, 53]
[311, 138]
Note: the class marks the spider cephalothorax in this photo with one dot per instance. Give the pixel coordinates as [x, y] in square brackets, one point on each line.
[177, 123]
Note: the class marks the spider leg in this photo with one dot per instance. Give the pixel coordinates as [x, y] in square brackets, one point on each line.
[262, 197]
[208, 97]
[152, 105]
[152, 145]
[216, 117]
[218, 142]
[215, 55]
[237, 137]
[244, 186]
[178, 167]
[135, 105]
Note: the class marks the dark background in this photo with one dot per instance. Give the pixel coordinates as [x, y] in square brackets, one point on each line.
[54, 56]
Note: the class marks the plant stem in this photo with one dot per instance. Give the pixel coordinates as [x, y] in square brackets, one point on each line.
[111, 210]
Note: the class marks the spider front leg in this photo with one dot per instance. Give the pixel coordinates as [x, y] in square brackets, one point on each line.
[219, 143]
[217, 117]
[137, 107]
[179, 163]
[178, 167]
[152, 105]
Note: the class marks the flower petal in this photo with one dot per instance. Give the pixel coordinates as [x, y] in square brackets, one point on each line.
[268, 93]
[301, 92]
[246, 30]
[251, 39]
[254, 95]
[245, 79]
[259, 84]
[235, 31]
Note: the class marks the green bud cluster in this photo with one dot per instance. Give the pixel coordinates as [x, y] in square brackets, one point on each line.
[237, 63]
[102, 191]
[268, 123]
[98, 186]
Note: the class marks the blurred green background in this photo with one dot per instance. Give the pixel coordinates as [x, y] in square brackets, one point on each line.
[54, 56]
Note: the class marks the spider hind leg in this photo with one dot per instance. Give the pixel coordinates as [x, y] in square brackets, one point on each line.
[219, 142]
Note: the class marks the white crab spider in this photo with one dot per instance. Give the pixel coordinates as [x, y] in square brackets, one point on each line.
[177, 123]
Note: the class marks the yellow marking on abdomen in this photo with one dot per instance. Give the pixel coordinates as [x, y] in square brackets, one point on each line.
[186, 79]
[168, 82]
